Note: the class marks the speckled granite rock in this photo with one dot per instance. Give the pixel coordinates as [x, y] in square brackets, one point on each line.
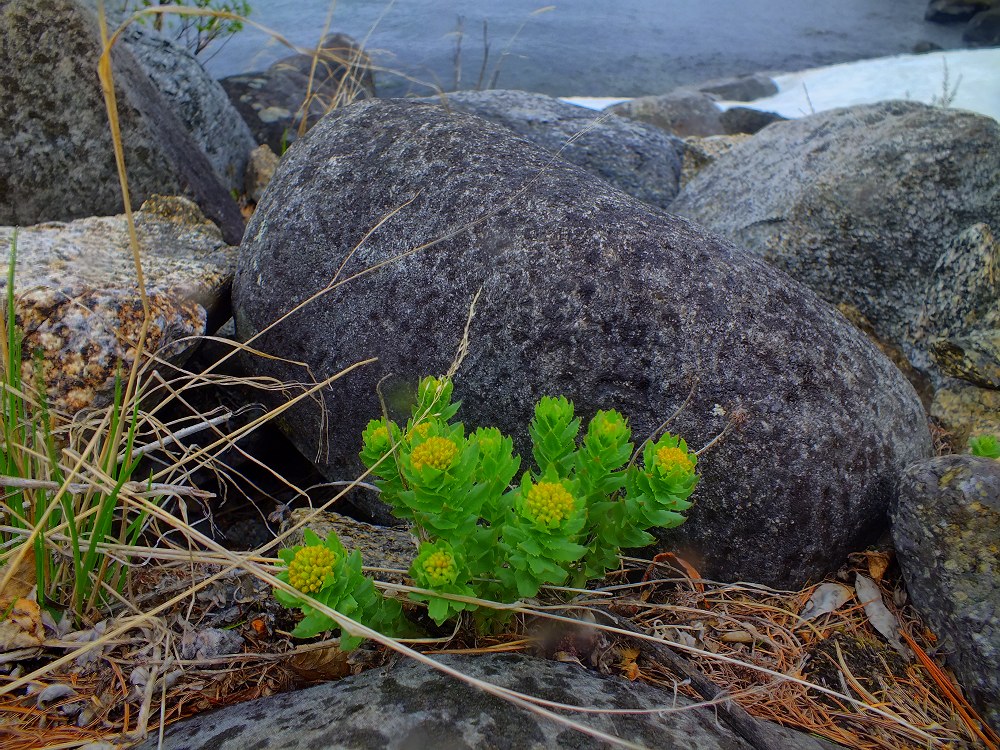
[959, 296]
[586, 292]
[946, 528]
[974, 358]
[635, 157]
[271, 101]
[56, 158]
[77, 299]
[965, 409]
[409, 706]
[198, 99]
[858, 203]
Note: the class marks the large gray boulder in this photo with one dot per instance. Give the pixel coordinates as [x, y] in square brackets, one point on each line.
[858, 203]
[56, 158]
[946, 529]
[586, 292]
[635, 157]
[409, 705]
[198, 99]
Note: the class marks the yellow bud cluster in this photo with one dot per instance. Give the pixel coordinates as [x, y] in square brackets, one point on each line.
[309, 567]
[436, 452]
[440, 568]
[549, 502]
[420, 429]
[670, 457]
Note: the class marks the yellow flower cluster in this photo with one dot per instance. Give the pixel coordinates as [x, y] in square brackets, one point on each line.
[670, 457]
[420, 429]
[309, 567]
[379, 439]
[440, 568]
[437, 452]
[549, 502]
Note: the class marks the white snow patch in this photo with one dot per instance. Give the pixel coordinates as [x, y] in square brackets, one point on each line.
[962, 79]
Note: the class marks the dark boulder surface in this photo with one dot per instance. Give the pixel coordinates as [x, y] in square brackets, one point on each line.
[956, 11]
[586, 292]
[738, 120]
[408, 705]
[858, 203]
[56, 158]
[635, 157]
[984, 29]
[946, 529]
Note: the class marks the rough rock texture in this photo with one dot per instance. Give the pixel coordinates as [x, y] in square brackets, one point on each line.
[56, 157]
[964, 409]
[77, 299]
[984, 29]
[920, 382]
[198, 99]
[699, 152]
[409, 705]
[857, 203]
[680, 112]
[974, 358]
[960, 296]
[585, 292]
[272, 101]
[946, 528]
[955, 11]
[633, 156]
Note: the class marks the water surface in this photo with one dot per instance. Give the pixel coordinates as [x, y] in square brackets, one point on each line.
[592, 47]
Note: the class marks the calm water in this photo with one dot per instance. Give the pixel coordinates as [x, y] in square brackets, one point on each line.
[591, 47]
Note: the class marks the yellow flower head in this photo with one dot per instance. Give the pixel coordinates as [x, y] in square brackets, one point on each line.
[440, 568]
[437, 452]
[670, 457]
[420, 429]
[549, 503]
[310, 567]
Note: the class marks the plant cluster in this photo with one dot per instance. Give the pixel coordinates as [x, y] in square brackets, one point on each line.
[198, 30]
[563, 522]
[985, 445]
[40, 504]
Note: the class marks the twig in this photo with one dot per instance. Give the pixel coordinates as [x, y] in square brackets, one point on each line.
[139, 489]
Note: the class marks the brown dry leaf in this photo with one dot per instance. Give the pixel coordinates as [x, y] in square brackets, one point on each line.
[328, 663]
[628, 663]
[21, 583]
[22, 628]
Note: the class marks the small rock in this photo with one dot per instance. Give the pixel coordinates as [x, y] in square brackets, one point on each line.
[260, 170]
[741, 88]
[946, 528]
[681, 113]
[207, 643]
[956, 11]
[974, 358]
[273, 102]
[746, 120]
